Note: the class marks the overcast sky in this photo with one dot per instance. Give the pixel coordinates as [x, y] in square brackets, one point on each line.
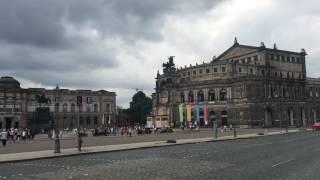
[118, 45]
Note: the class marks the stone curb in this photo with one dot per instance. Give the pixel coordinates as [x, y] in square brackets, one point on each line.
[48, 154]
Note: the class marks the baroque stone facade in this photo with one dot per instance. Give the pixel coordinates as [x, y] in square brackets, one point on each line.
[245, 85]
[40, 108]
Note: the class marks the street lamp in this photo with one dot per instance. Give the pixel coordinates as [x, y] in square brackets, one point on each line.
[56, 122]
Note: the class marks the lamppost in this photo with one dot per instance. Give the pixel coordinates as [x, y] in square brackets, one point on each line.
[79, 139]
[56, 122]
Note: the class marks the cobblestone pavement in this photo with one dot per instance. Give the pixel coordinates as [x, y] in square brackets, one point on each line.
[288, 156]
[69, 140]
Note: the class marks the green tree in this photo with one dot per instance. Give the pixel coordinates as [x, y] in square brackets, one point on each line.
[140, 107]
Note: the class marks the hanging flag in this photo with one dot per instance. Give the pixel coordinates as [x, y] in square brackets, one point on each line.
[197, 111]
[205, 114]
[189, 112]
[181, 112]
[79, 100]
[89, 100]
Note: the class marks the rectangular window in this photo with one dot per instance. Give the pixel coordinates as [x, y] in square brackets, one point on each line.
[188, 73]
[255, 58]
[81, 120]
[194, 72]
[288, 59]
[240, 69]
[282, 58]
[107, 107]
[251, 71]
[223, 69]
[200, 71]
[293, 59]
[207, 70]
[215, 69]
[88, 120]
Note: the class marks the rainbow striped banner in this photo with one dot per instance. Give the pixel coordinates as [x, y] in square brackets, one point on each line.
[205, 114]
[181, 112]
[197, 112]
[189, 112]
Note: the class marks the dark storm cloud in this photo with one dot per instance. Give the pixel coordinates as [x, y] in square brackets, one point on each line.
[131, 19]
[41, 23]
[32, 22]
[34, 34]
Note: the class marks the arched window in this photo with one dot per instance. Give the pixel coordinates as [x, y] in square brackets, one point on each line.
[95, 107]
[73, 107]
[190, 97]
[212, 95]
[182, 97]
[212, 116]
[65, 107]
[200, 96]
[223, 94]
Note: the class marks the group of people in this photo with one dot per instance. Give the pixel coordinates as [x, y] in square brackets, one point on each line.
[123, 130]
[16, 135]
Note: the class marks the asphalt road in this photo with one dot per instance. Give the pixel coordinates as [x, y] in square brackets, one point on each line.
[290, 156]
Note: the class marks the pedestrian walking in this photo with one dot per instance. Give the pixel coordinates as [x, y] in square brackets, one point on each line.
[19, 135]
[4, 137]
[24, 135]
[130, 131]
[80, 141]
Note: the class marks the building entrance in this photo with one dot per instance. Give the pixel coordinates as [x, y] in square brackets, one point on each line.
[8, 122]
[224, 118]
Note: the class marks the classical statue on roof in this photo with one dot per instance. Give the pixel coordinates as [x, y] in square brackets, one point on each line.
[169, 66]
[42, 99]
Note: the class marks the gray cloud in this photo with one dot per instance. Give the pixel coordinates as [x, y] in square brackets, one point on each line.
[117, 43]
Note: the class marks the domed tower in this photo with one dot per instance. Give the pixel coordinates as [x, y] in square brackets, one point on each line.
[7, 82]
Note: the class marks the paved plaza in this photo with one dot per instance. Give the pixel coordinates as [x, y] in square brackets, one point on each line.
[69, 140]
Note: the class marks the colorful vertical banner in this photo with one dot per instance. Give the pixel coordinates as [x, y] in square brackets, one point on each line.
[197, 112]
[205, 114]
[188, 112]
[89, 100]
[181, 112]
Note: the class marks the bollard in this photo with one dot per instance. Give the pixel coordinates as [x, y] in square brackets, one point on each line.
[80, 141]
[216, 133]
[234, 133]
[215, 129]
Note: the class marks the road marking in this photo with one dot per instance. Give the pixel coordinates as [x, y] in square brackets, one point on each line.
[281, 163]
